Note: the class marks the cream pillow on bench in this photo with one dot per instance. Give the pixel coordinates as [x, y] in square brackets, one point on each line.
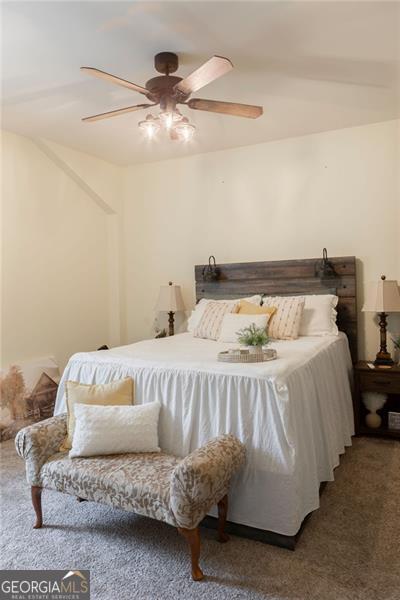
[119, 392]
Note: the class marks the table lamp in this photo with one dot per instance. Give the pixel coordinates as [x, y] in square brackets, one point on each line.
[170, 300]
[382, 297]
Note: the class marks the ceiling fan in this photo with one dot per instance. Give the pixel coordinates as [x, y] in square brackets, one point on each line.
[168, 90]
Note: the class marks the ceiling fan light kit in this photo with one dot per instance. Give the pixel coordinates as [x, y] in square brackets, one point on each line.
[178, 126]
[169, 90]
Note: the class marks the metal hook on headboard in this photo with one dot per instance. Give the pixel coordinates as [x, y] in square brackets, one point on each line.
[211, 272]
[324, 269]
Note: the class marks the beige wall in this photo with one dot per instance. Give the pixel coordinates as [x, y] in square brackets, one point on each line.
[279, 200]
[86, 244]
[56, 244]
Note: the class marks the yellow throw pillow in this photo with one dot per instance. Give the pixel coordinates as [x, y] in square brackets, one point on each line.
[118, 392]
[247, 308]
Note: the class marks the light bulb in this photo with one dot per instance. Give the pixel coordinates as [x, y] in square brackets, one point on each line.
[168, 118]
[168, 121]
[149, 126]
[185, 130]
[150, 131]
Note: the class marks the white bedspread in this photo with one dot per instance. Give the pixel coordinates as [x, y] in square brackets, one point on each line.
[294, 414]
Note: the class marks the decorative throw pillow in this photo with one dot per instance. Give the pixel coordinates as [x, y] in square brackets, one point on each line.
[319, 315]
[199, 309]
[210, 323]
[231, 323]
[285, 322]
[248, 308]
[101, 430]
[117, 392]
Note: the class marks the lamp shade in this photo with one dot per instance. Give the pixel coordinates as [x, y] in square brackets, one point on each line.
[382, 296]
[170, 298]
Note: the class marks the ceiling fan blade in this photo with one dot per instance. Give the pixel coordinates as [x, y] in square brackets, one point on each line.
[114, 79]
[209, 71]
[115, 113]
[227, 108]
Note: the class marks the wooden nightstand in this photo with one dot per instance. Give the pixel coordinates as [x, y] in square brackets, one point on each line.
[384, 381]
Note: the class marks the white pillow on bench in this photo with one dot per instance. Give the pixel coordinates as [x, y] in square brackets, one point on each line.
[101, 430]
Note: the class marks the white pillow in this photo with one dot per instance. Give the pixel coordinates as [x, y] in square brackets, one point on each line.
[103, 430]
[199, 309]
[319, 315]
[231, 324]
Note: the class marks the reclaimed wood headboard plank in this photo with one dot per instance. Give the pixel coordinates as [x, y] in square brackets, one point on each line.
[288, 277]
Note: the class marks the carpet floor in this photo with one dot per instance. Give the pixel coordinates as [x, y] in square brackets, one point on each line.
[349, 548]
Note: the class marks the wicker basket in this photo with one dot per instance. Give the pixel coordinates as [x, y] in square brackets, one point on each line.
[247, 357]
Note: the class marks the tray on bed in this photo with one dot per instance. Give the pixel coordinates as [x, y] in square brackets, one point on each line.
[247, 357]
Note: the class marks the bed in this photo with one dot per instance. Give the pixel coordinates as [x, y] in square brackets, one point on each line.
[294, 414]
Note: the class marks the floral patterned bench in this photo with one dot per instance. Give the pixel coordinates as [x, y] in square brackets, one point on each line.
[178, 491]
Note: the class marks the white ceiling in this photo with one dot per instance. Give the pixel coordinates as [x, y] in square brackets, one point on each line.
[314, 66]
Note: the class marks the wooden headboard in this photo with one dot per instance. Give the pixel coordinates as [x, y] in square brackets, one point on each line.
[285, 278]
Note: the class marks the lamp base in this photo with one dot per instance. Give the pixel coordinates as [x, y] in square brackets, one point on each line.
[383, 359]
[171, 323]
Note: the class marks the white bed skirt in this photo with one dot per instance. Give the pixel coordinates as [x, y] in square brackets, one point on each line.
[294, 414]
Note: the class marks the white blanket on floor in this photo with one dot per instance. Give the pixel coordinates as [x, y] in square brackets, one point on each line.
[294, 414]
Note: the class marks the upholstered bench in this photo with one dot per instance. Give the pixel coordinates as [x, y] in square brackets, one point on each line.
[178, 491]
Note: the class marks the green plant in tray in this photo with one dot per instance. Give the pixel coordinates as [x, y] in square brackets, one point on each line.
[253, 336]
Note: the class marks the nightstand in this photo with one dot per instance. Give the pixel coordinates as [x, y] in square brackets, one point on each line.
[384, 381]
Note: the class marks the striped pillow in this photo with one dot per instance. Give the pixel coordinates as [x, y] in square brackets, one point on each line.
[209, 326]
[285, 323]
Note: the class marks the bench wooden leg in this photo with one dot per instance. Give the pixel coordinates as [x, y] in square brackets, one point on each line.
[36, 493]
[192, 536]
[222, 514]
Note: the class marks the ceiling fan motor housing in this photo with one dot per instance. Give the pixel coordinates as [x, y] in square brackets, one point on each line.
[162, 88]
